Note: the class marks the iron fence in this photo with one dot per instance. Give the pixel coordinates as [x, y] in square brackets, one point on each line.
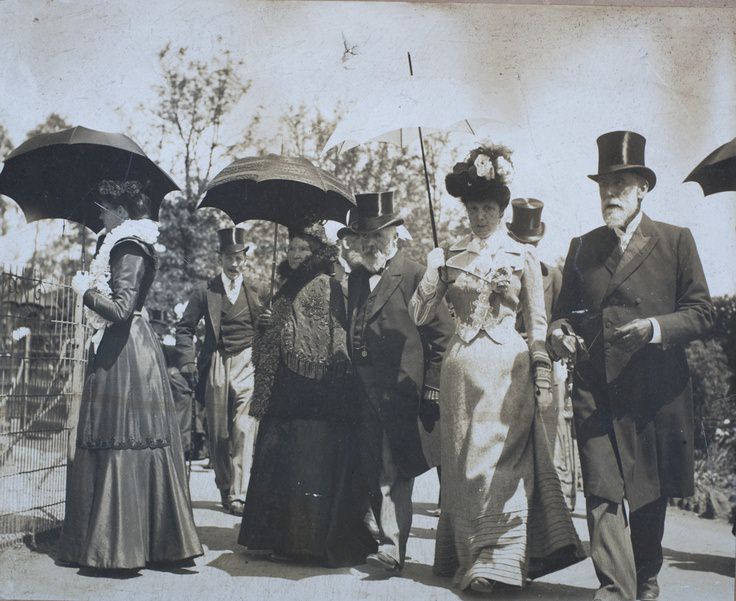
[42, 361]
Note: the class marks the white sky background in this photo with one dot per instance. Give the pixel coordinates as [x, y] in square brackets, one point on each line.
[568, 74]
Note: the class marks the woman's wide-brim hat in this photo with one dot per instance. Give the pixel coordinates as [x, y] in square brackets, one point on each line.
[526, 223]
[623, 151]
[232, 240]
[374, 211]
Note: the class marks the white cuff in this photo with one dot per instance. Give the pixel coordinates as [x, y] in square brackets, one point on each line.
[428, 284]
[656, 332]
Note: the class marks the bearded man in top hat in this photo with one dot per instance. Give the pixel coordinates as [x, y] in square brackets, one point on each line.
[633, 295]
[397, 366]
[527, 227]
[230, 308]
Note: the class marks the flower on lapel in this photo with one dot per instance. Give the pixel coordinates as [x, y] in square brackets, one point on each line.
[501, 279]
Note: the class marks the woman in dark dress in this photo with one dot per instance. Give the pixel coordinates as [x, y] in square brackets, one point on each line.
[127, 497]
[304, 502]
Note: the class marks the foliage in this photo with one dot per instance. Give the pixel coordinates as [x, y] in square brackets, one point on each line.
[193, 102]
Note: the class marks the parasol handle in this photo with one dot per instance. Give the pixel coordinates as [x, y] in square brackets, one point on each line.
[273, 263]
[429, 192]
[426, 172]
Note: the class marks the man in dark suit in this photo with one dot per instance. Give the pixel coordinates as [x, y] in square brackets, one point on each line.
[398, 369]
[633, 294]
[230, 308]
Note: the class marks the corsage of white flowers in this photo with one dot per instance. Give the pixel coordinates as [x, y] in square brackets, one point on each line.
[484, 166]
[505, 169]
[501, 279]
[98, 277]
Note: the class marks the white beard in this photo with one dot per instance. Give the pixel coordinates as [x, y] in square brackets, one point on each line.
[616, 217]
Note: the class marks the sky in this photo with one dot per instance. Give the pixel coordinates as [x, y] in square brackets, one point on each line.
[549, 80]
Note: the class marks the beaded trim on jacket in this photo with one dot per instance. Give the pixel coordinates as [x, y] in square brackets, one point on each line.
[145, 230]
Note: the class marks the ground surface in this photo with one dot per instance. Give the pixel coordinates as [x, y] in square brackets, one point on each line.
[699, 565]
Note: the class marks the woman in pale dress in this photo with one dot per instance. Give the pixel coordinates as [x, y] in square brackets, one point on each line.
[503, 514]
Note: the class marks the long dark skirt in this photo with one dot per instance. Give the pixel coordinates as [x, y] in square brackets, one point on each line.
[304, 498]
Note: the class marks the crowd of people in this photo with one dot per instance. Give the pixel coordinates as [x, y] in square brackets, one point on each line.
[324, 402]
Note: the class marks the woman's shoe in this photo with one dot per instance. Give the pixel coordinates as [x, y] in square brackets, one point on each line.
[481, 585]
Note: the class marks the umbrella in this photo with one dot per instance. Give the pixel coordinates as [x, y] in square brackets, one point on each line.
[285, 190]
[717, 171]
[290, 191]
[55, 176]
[401, 113]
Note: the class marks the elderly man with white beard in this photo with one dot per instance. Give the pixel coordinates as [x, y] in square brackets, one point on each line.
[397, 366]
[633, 295]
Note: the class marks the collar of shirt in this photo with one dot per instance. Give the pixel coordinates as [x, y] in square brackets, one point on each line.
[487, 246]
[624, 236]
[232, 287]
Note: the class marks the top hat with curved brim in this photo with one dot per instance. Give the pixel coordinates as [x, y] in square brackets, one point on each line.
[374, 211]
[232, 240]
[526, 224]
[623, 151]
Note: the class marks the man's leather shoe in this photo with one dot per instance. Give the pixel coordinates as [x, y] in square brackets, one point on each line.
[236, 507]
[648, 590]
[384, 561]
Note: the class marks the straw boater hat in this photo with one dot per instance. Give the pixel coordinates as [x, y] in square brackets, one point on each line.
[232, 240]
[526, 224]
[623, 151]
[374, 211]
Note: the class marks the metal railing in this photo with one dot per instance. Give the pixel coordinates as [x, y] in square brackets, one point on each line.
[42, 362]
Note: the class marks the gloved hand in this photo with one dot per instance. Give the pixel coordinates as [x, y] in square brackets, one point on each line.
[543, 385]
[81, 282]
[429, 414]
[265, 319]
[190, 375]
[435, 259]
[562, 346]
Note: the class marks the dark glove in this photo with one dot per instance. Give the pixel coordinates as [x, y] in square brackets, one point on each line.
[190, 375]
[429, 414]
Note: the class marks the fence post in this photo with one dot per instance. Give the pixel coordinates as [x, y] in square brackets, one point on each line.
[78, 368]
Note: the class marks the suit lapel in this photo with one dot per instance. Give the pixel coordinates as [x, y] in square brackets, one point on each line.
[214, 303]
[389, 281]
[641, 244]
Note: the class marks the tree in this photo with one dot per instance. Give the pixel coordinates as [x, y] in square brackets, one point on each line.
[5, 147]
[194, 101]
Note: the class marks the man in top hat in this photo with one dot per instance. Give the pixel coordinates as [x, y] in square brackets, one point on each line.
[397, 366]
[230, 308]
[527, 227]
[633, 295]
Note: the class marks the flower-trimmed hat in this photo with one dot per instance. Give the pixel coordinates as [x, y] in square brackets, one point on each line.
[485, 173]
[374, 211]
[623, 151]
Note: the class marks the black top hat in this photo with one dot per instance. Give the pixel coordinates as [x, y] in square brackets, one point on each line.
[526, 224]
[232, 240]
[623, 151]
[159, 316]
[374, 211]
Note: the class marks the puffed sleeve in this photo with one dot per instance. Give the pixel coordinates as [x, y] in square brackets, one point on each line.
[531, 298]
[427, 296]
[127, 268]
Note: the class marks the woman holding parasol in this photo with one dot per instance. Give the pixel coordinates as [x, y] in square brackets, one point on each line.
[127, 498]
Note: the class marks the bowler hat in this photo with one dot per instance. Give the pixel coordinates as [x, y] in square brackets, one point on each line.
[232, 240]
[374, 211]
[623, 151]
[526, 223]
